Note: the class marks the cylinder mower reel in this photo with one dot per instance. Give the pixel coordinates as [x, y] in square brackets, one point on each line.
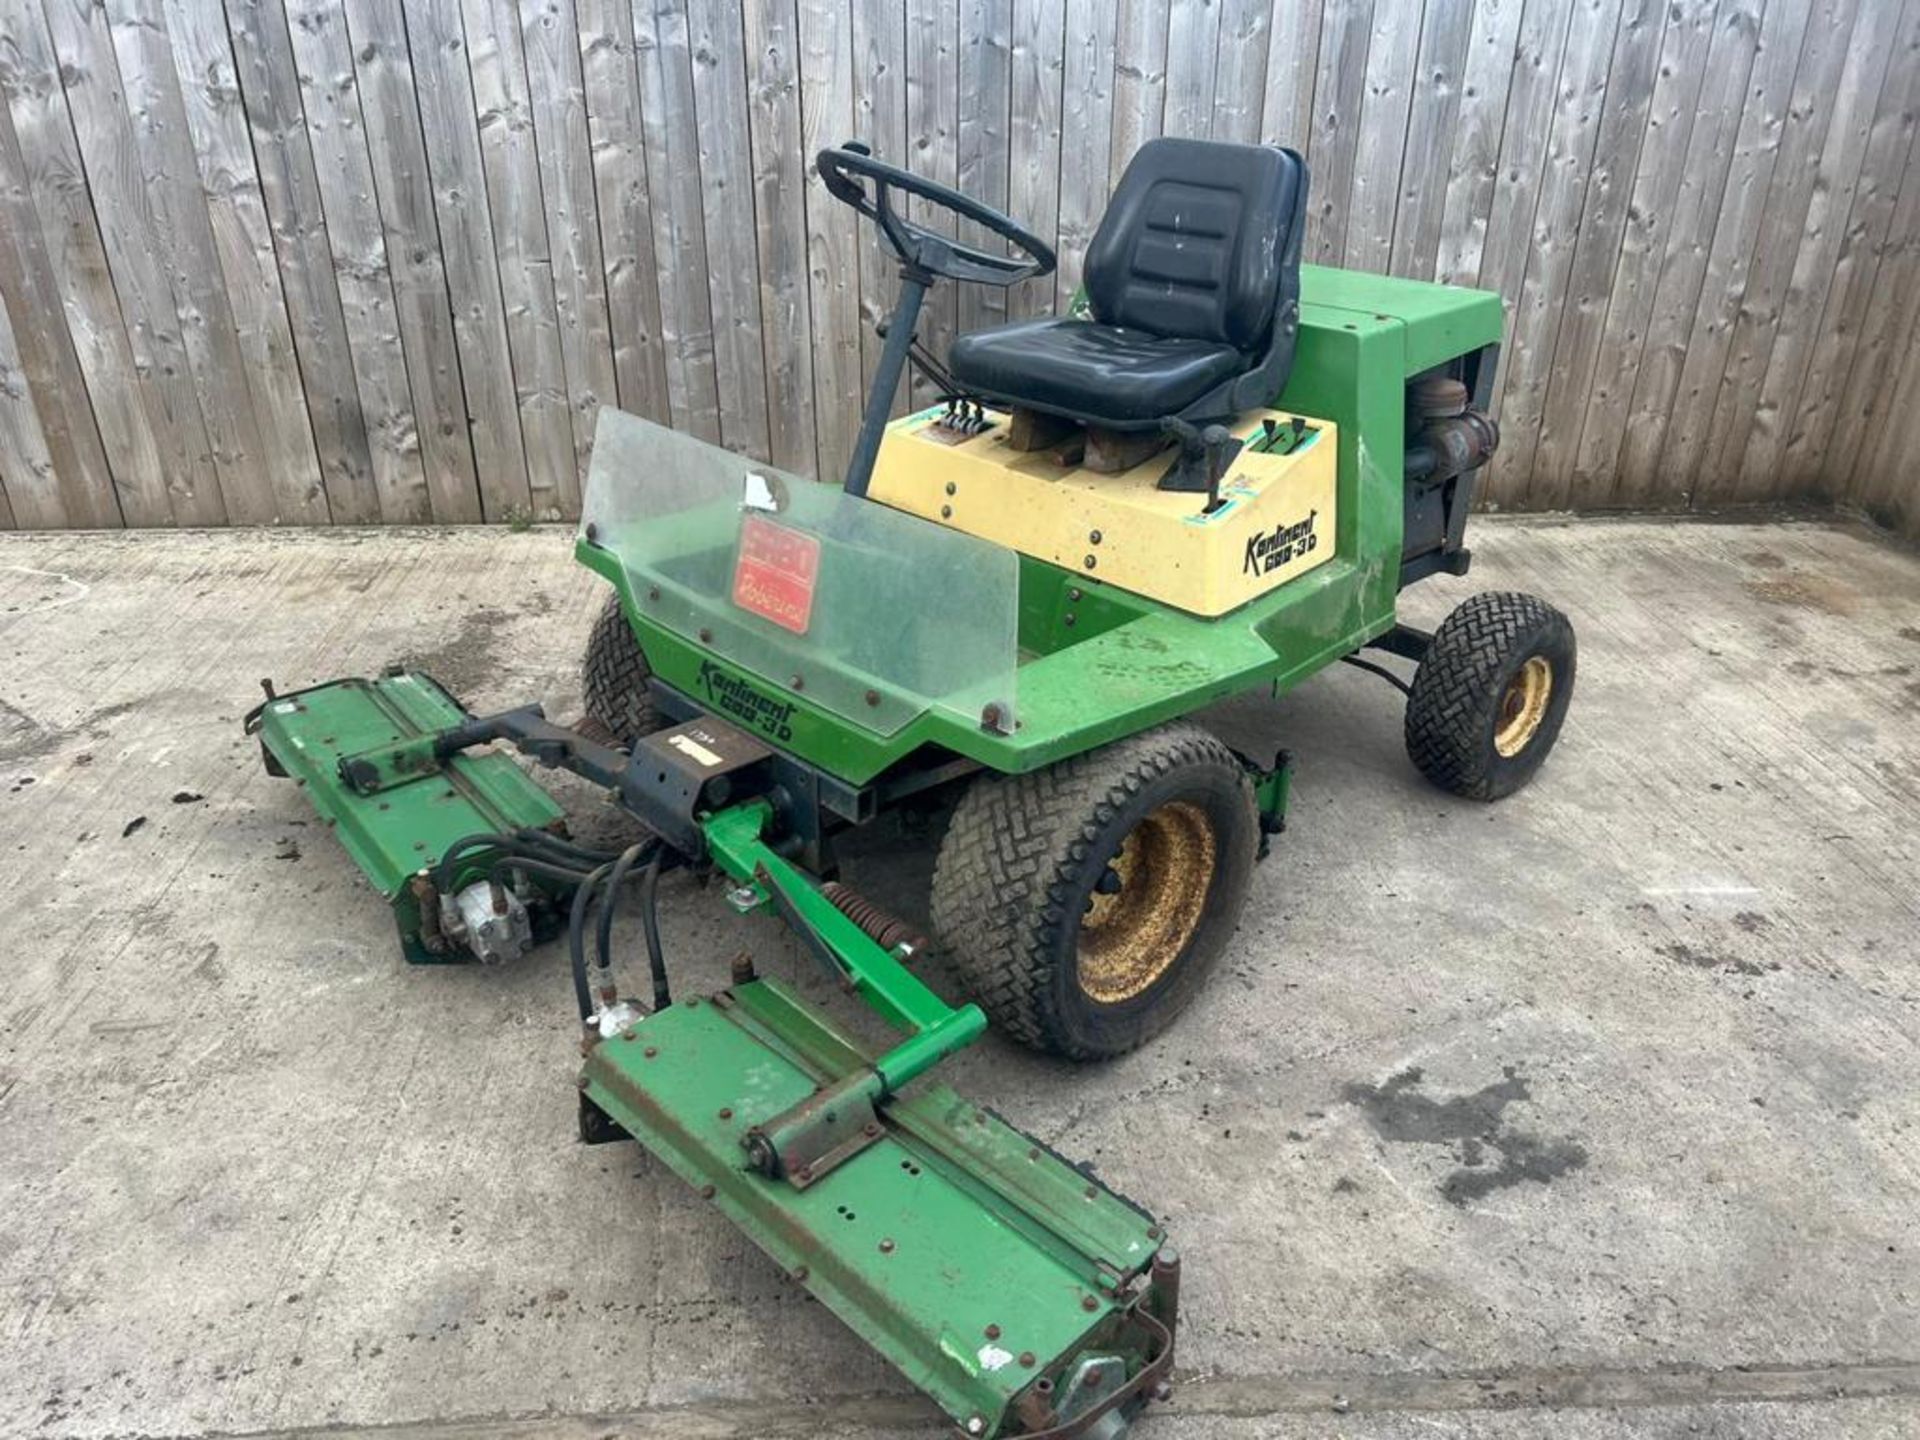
[1214, 477]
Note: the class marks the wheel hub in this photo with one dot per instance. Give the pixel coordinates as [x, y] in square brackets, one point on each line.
[1523, 706]
[1133, 930]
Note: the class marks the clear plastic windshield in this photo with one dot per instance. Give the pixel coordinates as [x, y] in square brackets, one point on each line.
[874, 615]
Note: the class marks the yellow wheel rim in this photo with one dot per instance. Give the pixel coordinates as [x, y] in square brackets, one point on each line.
[1523, 707]
[1130, 937]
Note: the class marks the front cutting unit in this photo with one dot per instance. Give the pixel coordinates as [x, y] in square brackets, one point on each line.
[1214, 477]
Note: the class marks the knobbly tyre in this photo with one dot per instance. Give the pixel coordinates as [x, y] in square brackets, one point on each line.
[1216, 475]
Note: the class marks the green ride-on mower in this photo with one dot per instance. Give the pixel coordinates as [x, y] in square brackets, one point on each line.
[1215, 476]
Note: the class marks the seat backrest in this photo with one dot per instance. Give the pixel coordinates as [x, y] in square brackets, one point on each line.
[1202, 241]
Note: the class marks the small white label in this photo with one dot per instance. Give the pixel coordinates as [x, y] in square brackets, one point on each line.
[694, 750]
[992, 1357]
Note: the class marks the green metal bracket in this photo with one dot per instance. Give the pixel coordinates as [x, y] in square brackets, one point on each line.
[387, 766]
[1271, 791]
[808, 1139]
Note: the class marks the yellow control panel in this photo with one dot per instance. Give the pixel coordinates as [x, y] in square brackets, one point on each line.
[1275, 520]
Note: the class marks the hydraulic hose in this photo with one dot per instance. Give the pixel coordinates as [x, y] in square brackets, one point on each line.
[507, 864]
[650, 924]
[577, 941]
[565, 852]
[610, 906]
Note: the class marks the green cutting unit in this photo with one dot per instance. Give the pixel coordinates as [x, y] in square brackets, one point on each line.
[1215, 476]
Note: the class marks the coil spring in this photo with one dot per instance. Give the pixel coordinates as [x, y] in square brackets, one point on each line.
[880, 926]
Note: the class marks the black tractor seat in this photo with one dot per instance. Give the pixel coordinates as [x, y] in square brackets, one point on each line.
[1194, 283]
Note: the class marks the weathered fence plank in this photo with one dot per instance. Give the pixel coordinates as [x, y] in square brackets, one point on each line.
[276, 130]
[242, 238]
[319, 61]
[51, 365]
[616, 129]
[679, 225]
[833, 265]
[517, 207]
[456, 177]
[1034, 130]
[162, 372]
[1601, 232]
[563, 147]
[780, 221]
[1381, 146]
[725, 162]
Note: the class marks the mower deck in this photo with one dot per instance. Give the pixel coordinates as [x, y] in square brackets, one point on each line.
[977, 1261]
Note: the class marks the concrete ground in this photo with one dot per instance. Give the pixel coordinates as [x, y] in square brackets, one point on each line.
[1591, 1114]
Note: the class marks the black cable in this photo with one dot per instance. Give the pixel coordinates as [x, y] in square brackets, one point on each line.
[530, 865]
[610, 905]
[650, 923]
[577, 941]
[559, 844]
[520, 841]
[1385, 674]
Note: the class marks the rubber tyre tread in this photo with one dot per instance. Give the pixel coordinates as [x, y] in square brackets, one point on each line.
[1458, 688]
[1021, 855]
[613, 677]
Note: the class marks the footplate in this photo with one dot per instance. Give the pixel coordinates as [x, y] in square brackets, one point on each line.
[1019, 1293]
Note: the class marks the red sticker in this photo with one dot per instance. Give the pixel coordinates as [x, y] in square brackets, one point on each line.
[775, 573]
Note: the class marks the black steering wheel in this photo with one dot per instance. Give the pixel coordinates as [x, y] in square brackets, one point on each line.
[844, 168]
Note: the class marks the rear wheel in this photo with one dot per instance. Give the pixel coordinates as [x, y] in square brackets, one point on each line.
[1490, 694]
[1084, 904]
[613, 677]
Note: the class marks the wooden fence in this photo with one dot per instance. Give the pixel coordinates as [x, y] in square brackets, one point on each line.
[300, 261]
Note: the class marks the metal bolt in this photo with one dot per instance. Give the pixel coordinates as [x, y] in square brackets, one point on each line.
[1067, 620]
[726, 1112]
[803, 1174]
[593, 533]
[946, 512]
[706, 635]
[952, 489]
[975, 1425]
[800, 1272]
[650, 1052]
[583, 1082]
[1026, 1358]
[993, 1332]
[886, 1247]
[627, 1034]
[1073, 592]
[1033, 1153]
[653, 592]
[870, 1130]
[1090, 1192]
[1091, 562]
[1094, 536]
[706, 1192]
[690, 1004]
[1153, 1232]
[799, 682]
[1088, 1302]
[873, 697]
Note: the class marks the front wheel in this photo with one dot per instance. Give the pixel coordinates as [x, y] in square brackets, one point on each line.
[1490, 694]
[1084, 904]
[613, 678]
